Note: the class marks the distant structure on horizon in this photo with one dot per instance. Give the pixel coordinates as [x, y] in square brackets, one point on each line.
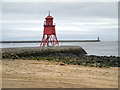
[98, 39]
[49, 34]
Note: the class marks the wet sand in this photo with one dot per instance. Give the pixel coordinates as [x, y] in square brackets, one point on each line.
[44, 74]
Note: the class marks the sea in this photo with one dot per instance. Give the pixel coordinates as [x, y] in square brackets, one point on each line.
[103, 48]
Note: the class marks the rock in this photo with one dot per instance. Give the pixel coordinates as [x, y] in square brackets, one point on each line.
[62, 64]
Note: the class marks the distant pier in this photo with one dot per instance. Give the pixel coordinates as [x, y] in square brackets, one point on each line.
[58, 41]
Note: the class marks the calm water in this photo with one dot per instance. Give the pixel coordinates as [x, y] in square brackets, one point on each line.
[92, 48]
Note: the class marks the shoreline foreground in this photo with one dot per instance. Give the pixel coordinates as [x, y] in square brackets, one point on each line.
[45, 74]
[57, 67]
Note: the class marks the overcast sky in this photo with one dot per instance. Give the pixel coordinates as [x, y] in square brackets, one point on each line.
[74, 20]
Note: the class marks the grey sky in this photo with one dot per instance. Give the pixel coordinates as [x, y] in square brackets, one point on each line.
[74, 20]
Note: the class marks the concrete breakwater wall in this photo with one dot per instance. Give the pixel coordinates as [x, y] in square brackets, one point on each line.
[49, 41]
[16, 53]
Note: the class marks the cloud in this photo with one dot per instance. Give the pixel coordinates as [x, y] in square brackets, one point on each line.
[73, 20]
[65, 9]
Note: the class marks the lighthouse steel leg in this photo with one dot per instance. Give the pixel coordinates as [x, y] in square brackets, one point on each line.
[56, 40]
[50, 39]
[47, 40]
[42, 40]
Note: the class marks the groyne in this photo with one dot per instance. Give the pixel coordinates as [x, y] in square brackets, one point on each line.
[25, 52]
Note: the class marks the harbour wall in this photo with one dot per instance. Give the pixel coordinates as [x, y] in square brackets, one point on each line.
[49, 41]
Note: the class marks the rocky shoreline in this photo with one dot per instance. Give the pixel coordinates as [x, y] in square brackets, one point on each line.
[65, 55]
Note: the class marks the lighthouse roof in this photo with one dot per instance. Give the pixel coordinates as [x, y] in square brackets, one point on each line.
[49, 17]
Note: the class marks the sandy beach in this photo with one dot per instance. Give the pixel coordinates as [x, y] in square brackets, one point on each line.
[44, 74]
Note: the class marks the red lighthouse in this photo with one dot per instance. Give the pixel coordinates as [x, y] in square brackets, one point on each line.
[49, 34]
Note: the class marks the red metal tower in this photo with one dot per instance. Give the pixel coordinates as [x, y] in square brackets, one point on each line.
[49, 34]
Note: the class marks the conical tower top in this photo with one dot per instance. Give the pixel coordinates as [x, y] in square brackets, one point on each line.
[49, 17]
